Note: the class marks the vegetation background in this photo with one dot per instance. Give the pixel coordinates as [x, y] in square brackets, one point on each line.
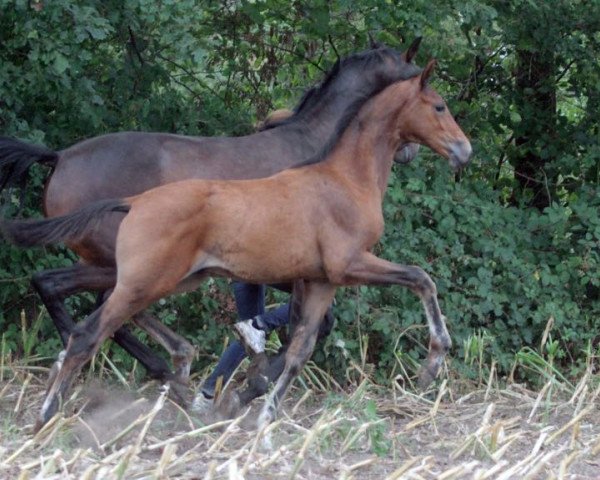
[513, 242]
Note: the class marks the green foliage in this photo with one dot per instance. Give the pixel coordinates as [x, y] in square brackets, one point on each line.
[74, 69]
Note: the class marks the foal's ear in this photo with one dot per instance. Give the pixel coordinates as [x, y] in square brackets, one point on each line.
[427, 72]
[411, 53]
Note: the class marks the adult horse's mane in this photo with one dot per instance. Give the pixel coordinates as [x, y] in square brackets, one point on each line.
[314, 96]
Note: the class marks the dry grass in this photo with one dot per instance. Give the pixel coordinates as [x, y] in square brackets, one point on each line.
[367, 432]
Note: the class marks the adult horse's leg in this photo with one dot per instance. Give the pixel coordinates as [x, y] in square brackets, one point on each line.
[369, 269]
[53, 286]
[182, 352]
[317, 297]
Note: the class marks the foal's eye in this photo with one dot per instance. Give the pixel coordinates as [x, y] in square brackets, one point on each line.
[440, 108]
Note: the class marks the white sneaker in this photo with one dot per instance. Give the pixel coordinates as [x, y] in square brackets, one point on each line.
[251, 337]
[202, 404]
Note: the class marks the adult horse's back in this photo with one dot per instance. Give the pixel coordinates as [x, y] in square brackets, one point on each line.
[125, 164]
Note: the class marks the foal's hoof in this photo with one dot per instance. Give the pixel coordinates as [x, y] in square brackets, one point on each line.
[56, 368]
[266, 417]
[50, 408]
[52, 374]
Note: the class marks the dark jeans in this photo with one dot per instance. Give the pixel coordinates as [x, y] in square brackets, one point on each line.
[250, 301]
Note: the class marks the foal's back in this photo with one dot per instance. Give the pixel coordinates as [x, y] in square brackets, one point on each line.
[251, 230]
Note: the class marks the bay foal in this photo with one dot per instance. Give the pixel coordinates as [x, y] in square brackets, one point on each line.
[315, 223]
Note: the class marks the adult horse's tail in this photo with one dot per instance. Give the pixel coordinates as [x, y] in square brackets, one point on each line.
[29, 233]
[16, 157]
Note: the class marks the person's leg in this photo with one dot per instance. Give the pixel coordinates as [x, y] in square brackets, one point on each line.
[234, 353]
[272, 319]
[249, 299]
[229, 361]
[250, 302]
[253, 331]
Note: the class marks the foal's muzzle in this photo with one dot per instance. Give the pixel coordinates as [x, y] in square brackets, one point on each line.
[460, 153]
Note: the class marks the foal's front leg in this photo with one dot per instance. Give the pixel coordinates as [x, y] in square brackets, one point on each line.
[317, 297]
[369, 269]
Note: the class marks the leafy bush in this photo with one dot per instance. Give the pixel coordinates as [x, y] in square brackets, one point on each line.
[74, 69]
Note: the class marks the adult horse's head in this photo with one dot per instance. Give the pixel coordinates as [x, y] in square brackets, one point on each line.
[427, 120]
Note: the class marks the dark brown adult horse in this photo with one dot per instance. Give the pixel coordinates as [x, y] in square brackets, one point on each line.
[316, 223]
[125, 164]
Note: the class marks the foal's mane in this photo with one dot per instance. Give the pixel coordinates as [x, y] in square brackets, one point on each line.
[360, 62]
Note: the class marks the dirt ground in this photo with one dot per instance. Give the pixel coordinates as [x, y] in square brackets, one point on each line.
[364, 433]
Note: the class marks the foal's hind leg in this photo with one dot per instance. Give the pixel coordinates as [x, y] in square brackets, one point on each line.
[369, 269]
[317, 298]
[53, 286]
[182, 352]
[84, 342]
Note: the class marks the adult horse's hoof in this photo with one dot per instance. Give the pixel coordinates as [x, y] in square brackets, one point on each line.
[39, 424]
[425, 378]
[228, 405]
[178, 392]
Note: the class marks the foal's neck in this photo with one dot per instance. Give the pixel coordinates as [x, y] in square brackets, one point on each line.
[365, 153]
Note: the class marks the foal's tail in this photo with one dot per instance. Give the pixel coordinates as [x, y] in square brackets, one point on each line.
[29, 233]
[16, 157]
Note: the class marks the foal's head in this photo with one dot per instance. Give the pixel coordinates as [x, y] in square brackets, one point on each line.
[426, 119]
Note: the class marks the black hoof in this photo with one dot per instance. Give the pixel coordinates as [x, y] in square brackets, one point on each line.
[228, 405]
[179, 393]
[425, 378]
